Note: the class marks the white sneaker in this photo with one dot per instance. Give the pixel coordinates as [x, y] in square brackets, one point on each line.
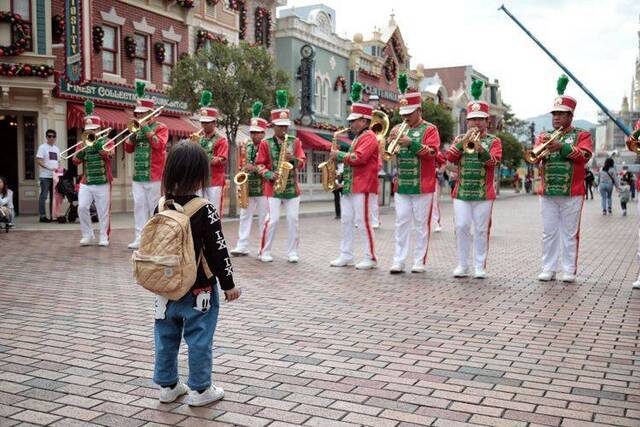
[342, 262]
[437, 229]
[266, 257]
[168, 395]
[480, 273]
[104, 243]
[212, 394]
[366, 264]
[134, 245]
[86, 241]
[636, 284]
[418, 268]
[293, 259]
[547, 276]
[396, 268]
[237, 251]
[375, 226]
[568, 278]
[461, 271]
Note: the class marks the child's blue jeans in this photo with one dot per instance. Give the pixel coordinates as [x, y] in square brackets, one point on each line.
[194, 316]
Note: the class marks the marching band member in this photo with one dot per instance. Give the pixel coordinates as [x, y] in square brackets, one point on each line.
[270, 158]
[635, 138]
[474, 191]
[148, 146]
[217, 149]
[95, 185]
[360, 180]
[419, 146]
[562, 193]
[257, 200]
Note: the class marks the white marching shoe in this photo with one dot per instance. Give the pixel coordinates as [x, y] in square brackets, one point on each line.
[547, 276]
[461, 271]
[237, 251]
[418, 267]
[293, 259]
[480, 273]
[396, 268]
[636, 284]
[342, 262]
[266, 257]
[437, 229]
[366, 264]
[212, 394]
[168, 395]
[104, 242]
[568, 278]
[86, 241]
[134, 245]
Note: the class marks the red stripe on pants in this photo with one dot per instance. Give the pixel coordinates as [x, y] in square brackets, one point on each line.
[367, 227]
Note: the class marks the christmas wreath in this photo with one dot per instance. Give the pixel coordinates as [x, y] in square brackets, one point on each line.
[130, 47]
[341, 83]
[187, 4]
[98, 38]
[160, 52]
[203, 35]
[21, 34]
[263, 33]
[26, 70]
[57, 28]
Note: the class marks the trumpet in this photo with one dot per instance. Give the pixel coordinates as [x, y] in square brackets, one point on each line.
[393, 148]
[542, 151]
[470, 142]
[133, 127]
[329, 169]
[633, 142]
[195, 137]
[89, 138]
[241, 179]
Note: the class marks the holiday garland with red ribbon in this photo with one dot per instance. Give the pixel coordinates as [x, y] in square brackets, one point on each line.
[21, 34]
[57, 28]
[241, 7]
[390, 69]
[261, 32]
[26, 70]
[160, 52]
[98, 38]
[341, 83]
[187, 4]
[130, 47]
[203, 35]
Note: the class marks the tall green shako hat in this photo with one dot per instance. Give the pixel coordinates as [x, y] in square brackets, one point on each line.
[257, 123]
[409, 102]
[358, 109]
[91, 121]
[562, 101]
[477, 108]
[207, 113]
[281, 115]
[144, 104]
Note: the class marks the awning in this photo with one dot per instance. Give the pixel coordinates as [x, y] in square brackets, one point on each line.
[321, 141]
[118, 119]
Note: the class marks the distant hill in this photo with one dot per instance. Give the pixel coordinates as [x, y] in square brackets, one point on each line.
[544, 122]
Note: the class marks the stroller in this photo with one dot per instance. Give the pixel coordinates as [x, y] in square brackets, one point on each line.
[68, 189]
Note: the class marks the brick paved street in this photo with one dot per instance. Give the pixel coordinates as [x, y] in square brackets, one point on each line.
[312, 345]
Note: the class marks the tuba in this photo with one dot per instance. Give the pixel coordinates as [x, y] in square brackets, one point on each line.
[241, 179]
[541, 152]
[379, 125]
[284, 167]
[329, 168]
[633, 142]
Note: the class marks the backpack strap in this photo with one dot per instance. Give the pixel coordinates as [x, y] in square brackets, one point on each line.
[194, 205]
[161, 204]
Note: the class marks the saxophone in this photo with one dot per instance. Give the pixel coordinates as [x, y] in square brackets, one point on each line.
[284, 167]
[241, 179]
[329, 168]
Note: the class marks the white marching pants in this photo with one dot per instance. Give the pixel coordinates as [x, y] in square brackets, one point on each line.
[292, 208]
[355, 213]
[100, 195]
[435, 210]
[246, 219]
[560, 223]
[412, 209]
[214, 195]
[374, 210]
[478, 214]
[145, 199]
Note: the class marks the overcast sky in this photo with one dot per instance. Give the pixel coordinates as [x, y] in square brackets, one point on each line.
[596, 39]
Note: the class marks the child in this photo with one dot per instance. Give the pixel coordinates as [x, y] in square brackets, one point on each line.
[195, 315]
[625, 193]
[6, 202]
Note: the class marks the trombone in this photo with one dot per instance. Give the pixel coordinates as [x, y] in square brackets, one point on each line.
[394, 146]
[133, 126]
[88, 139]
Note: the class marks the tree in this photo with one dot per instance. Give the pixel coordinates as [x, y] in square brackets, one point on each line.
[435, 114]
[237, 76]
[517, 127]
[512, 152]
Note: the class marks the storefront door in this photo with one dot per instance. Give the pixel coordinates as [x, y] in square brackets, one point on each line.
[9, 150]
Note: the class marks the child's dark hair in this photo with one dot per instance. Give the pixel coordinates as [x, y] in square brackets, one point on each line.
[186, 170]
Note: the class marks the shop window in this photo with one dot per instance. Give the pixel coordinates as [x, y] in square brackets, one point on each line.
[169, 62]
[141, 61]
[23, 8]
[29, 131]
[325, 96]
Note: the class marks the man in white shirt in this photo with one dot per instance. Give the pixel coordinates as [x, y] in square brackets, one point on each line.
[48, 158]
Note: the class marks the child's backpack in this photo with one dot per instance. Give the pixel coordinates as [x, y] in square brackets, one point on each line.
[166, 262]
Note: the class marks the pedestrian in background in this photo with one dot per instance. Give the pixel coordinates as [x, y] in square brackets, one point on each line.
[48, 158]
[589, 179]
[607, 181]
[625, 194]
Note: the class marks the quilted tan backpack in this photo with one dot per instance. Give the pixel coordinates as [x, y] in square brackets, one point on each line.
[166, 262]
